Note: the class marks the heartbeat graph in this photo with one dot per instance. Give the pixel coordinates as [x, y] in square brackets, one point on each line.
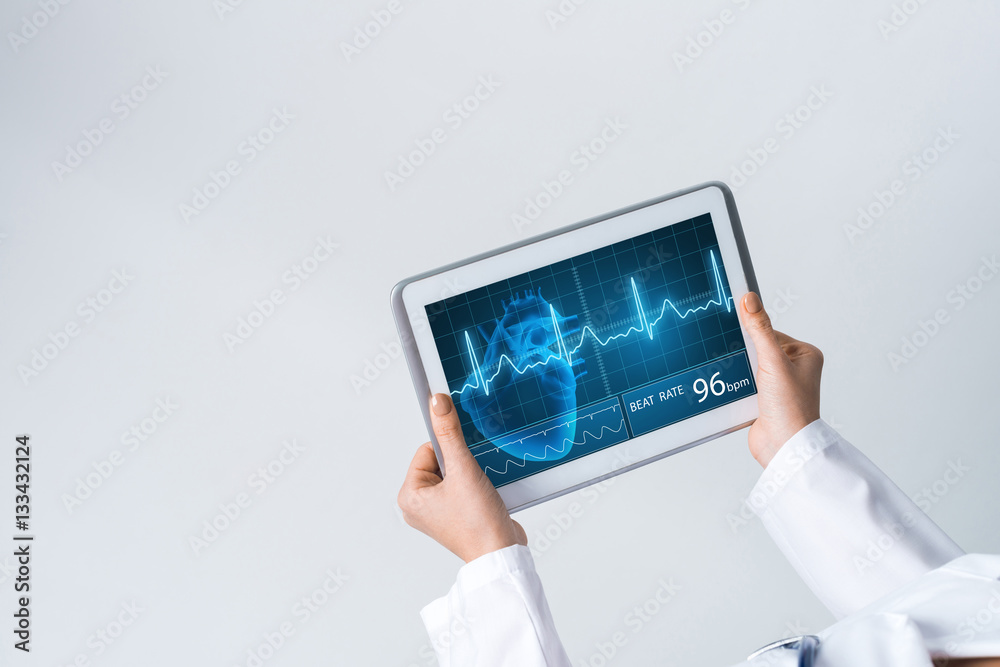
[484, 382]
[566, 443]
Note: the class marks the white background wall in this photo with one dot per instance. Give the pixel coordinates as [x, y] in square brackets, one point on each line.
[333, 508]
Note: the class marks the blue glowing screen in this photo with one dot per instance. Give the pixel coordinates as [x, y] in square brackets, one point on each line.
[580, 355]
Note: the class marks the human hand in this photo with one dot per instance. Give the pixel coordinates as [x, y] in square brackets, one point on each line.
[462, 511]
[788, 378]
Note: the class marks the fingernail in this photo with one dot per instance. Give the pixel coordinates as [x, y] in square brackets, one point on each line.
[440, 404]
[752, 302]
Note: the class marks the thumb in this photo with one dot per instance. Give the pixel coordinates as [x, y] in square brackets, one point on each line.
[448, 430]
[758, 325]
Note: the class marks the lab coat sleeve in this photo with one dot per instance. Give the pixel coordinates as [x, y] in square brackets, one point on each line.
[851, 534]
[495, 614]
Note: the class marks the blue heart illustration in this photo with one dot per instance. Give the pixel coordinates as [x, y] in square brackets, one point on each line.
[525, 378]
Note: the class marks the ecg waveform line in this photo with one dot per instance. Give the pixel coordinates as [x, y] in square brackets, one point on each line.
[563, 352]
[560, 450]
[590, 416]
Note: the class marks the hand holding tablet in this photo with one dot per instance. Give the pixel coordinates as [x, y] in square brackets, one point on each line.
[466, 514]
[462, 512]
[593, 350]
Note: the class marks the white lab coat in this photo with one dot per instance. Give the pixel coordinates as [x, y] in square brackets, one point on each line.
[902, 589]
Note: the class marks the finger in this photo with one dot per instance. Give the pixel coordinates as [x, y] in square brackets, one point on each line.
[795, 348]
[758, 325]
[807, 354]
[785, 339]
[423, 471]
[425, 460]
[448, 430]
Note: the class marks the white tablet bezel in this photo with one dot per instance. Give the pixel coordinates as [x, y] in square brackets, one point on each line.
[410, 297]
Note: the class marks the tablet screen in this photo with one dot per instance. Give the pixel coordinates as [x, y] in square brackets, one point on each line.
[577, 356]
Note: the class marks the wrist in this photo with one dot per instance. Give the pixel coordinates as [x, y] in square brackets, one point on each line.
[487, 545]
[766, 444]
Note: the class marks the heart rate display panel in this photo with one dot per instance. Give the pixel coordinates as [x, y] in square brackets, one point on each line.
[577, 356]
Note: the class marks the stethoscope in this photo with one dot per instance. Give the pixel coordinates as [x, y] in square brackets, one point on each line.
[806, 645]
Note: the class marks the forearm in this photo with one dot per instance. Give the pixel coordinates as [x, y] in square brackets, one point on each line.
[847, 529]
[495, 614]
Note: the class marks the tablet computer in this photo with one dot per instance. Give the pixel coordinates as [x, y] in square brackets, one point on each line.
[591, 350]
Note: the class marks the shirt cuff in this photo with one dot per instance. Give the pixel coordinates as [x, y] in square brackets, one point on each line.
[793, 456]
[494, 565]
